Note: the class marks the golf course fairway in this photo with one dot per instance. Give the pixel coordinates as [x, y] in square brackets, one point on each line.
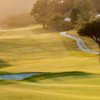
[67, 73]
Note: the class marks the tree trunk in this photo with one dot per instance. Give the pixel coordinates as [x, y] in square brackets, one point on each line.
[44, 26]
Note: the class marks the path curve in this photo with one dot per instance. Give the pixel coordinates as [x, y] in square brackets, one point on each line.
[80, 43]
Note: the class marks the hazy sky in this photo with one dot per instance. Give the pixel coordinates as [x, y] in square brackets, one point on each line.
[11, 7]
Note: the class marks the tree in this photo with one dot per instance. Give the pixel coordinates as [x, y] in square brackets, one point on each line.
[86, 8]
[96, 5]
[91, 29]
[74, 15]
[40, 11]
[43, 10]
[66, 6]
[55, 22]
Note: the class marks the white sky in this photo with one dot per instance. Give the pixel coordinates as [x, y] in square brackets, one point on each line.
[11, 7]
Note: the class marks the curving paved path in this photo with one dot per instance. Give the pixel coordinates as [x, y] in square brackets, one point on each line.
[80, 43]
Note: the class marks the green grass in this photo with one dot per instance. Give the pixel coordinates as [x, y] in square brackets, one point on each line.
[72, 87]
[43, 51]
[68, 73]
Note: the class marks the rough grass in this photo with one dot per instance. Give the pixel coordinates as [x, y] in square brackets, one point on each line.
[68, 73]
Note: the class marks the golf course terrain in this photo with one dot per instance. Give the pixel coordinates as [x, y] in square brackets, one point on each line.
[66, 72]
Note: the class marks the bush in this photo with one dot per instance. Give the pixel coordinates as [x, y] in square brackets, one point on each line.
[91, 29]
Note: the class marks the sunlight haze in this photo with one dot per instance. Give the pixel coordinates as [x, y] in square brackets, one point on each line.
[11, 7]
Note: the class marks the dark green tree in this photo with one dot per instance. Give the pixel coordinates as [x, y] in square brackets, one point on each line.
[91, 29]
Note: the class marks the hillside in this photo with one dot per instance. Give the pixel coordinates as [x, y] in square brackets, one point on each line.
[38, 50]
[67, 72]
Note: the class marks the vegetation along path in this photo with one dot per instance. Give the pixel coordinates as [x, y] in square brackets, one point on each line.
[80, 43]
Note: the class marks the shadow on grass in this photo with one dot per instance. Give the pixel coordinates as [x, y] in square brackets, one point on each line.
[3, 73]
[4, 64]
[48, 75]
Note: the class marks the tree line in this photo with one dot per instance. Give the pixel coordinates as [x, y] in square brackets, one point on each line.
[51, 13]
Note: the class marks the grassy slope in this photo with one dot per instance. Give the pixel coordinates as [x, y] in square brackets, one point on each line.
[43, 51]
[72, 74]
